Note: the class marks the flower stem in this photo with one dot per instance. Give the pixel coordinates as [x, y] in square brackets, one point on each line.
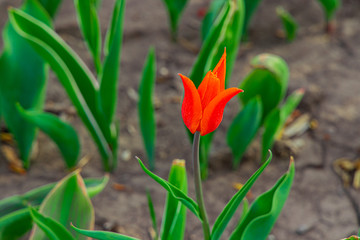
[198, 188]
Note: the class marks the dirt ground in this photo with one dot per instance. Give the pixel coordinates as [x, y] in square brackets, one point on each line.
[319, 206]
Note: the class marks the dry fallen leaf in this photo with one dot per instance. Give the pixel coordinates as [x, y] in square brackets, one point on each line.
[349, 171]
[119, 186]
[15, 163]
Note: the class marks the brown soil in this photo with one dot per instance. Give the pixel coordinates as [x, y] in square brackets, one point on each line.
[319, 207]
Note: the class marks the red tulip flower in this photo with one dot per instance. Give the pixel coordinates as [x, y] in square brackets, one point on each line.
[202, 109]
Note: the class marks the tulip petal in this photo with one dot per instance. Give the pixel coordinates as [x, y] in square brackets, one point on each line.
[191, 109]
[209, 88]
[213, 113]
[220, 71]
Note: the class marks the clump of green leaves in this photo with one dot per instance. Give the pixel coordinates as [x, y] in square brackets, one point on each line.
[24, 77]
[174, 9]
[19, 212]
[94, 100]
[289, 24]
[263, 105]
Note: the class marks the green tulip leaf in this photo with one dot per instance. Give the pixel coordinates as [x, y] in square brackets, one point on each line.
[51, 6]
[68, 202]
[146, 107]
[102, 235]
[76, 78]
[329, 7]
[174, 191]
[228, 212]
[109, 76]
[244, 128]
[268, 79]
[23, 80]
[264, 211]
[15, 224]
[60, 132]
[152, 215]
[174, 9]
[174, 218]
[90, 28]
[289, 24]
[52, 229]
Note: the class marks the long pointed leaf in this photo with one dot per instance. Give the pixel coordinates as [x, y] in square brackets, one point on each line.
[174, 191]
[110, 74]
[60, 132]
[264, 211]
[230, 208]
[174, 218]
[152, 215]
[67, 202]
[146, 107]
[102, 235]
[15, 224]
[90, 28]
[244, 128]
[51, 6]
[52, 229]
[289, 24]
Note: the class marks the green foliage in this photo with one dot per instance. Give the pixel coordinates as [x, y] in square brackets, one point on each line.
[174, 218]
[51, 6]
[329, 7]
[264, 211]
[268, 83]
[174, 191]
[146, 107]
[227, 213]
[60, 132]
[52, 229]
[15, 224]
[15, 219]
[102, 235]
[225, 32]
[62, 204]
[244, 128]
[268, 79]
[23, 80]
[175, 9]
[94, 107]
[277, 118]
[250, 7]
[90, 28]
[289, 24]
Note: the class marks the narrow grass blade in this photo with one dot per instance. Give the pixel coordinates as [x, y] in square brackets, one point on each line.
[15, 224]
[268, 79]
[52, 229]
[230, 208]
[289, 24]
[72, 73]
[62, 205]
[265, 210]
[174, 191]
[110, 74]
[90, 28]
[244, 128]
[146, 106]
[60, 132]
[152, 215]
[23, 80]
[51, 6]
[102, 235]
[175, 9]
[174, 218]
[329, 7]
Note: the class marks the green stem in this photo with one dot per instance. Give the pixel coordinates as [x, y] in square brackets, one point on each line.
[198, 188]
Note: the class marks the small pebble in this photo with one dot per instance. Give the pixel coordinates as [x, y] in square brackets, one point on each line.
[303, 228]
[271, 237]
